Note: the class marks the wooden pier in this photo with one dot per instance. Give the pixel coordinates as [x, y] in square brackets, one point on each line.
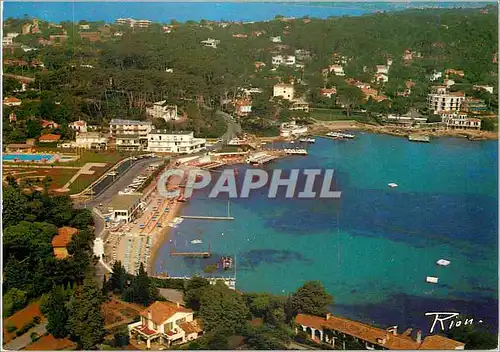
[207, 217]
[191, 254]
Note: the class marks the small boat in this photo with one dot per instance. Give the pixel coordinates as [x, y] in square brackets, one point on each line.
[443, 262]
[196, 241]
[392, 185]
[307, 140]
[432, 279]
[340, 135]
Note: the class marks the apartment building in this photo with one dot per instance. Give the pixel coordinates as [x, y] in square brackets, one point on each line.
[286, 91]
[440, 99]
[459, 120]
[179, 142]
[130, 134]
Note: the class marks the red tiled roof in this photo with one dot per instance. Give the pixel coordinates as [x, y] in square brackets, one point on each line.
[409, 84]
[436, 342]
[457, 94]
[46, 123]
[63, 238]
[362, 331]
[377, 336]
[162, 311]
[145, 330]
[11, 100]
[49, 137]
[328, 91]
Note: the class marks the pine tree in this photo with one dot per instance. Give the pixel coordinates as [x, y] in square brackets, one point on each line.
[118, 280]
[85, 322]
[57, 313]
[142, 290]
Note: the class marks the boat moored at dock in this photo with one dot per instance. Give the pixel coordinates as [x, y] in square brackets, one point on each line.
[307, 140]
[340, 135]
[419, 138]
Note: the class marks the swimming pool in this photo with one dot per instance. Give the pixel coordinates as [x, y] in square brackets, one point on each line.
[27, 157]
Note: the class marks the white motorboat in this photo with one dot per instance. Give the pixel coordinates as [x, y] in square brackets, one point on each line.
[196, 241]
[340, 135]
[392, 185]
[432, 279]
[443, 262]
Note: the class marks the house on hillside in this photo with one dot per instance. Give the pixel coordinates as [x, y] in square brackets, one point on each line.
[328, 92]
[459, 120]
[440, 99]
[243, 107]
[211, 43]
[334, 331]
[165, 324]
[276, 39]
[84, 26]
[79, 126]
[452, 71]
[488, 89]
[48, 124]
[286, 91]
[7, 40]
[382, 69]
[11, 101]
[49, 138]
[61, 240]
[336, 69]
[162, 110]
[381, 78]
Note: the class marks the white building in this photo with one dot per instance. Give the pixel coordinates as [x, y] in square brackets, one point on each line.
[441, 100]
[299, 105]
[277, 60]
[181, 142]
[276, 39]
[12, 35]
[288, 129]
[382, 69]
[283, 60]
[162, 110]
[91, 140]
[381, 77]
[286, 91]
[7, 40]
[435, 76]
[78, 126]
[124, 207]
[243, 107]
[250, 91]
[459, 120]
[130, 134]
[133, 23]
[336, 69]
[165, 323]
[488, 89]
[84, 26]
[212, 43]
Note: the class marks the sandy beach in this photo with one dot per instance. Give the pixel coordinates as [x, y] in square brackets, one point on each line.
[175, 209]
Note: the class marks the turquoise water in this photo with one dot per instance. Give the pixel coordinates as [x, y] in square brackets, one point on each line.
[373, 248]
[184, 11]
[27, 157]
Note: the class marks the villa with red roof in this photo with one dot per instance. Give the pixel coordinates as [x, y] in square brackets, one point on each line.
[333, 330]
[165, 323]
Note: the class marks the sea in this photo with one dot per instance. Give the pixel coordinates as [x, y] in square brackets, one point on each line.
[164, 12]
[374, 247]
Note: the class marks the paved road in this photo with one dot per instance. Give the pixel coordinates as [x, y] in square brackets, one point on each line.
[24, 340]
[121, 182]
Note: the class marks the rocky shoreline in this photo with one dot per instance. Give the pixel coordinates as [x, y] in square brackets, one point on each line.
[473, 135]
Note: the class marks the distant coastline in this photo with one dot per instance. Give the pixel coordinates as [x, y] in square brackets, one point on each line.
[214, 11]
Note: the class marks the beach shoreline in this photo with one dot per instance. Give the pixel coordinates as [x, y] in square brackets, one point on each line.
[160, 237]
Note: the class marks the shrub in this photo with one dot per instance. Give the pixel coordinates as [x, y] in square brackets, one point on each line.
[11, 328]
[25, 328]
[37, 320]
[34, 336]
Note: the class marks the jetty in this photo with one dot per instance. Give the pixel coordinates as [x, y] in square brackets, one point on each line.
[206, 254]
[260, 158]
[199, 217]
[419, 138]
